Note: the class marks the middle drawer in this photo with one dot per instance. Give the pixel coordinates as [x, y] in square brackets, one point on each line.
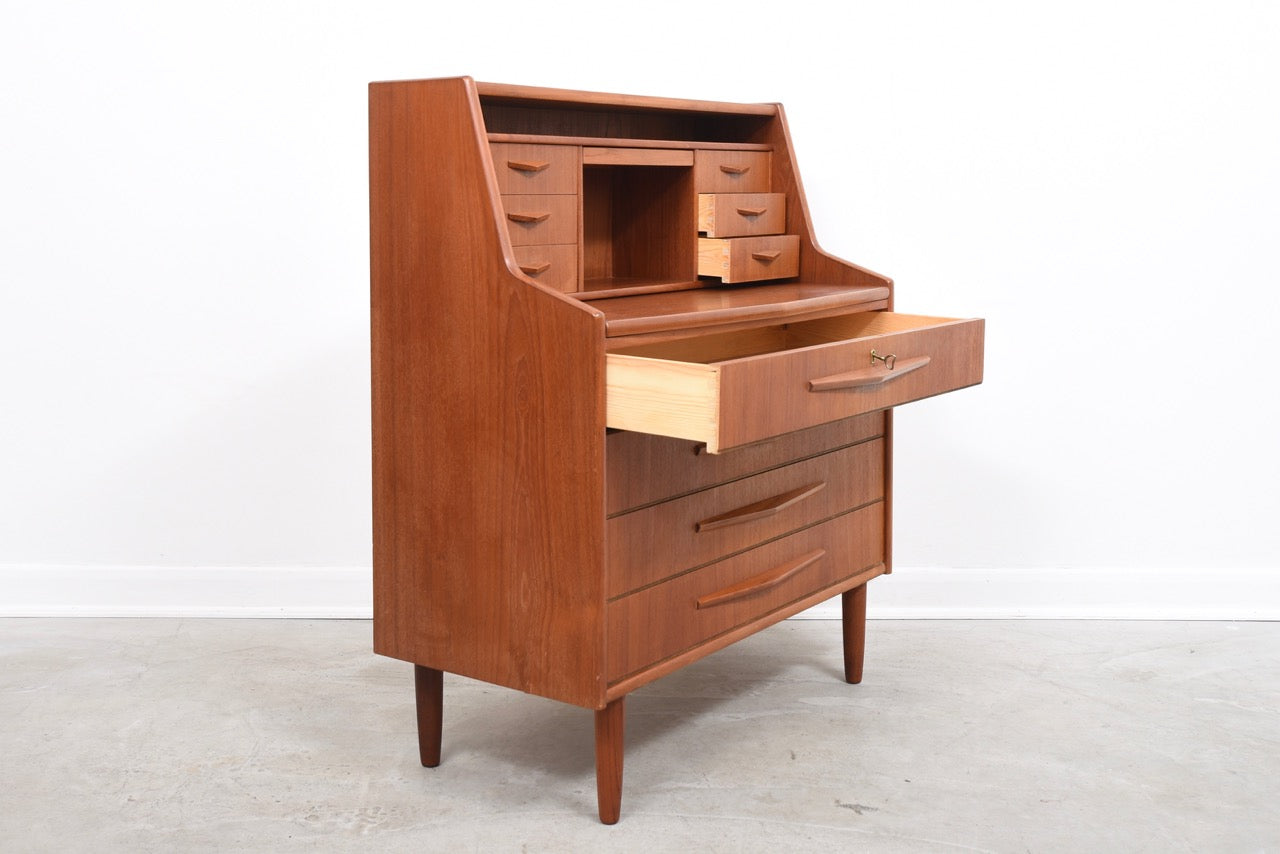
[655, 542]
[539, 220]
[741, 214]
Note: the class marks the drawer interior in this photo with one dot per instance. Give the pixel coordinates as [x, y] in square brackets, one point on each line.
[725, 346]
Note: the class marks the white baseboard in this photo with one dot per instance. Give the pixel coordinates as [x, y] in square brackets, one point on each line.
[182, 591]
[910, 593]
[941, 593]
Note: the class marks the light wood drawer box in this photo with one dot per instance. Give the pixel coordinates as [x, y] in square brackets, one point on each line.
[641, 468]
[554, 265]
[544, 169]
[731, 171]
[741, 214]
[541, 219]
[738, 387]
[749, 259]
[651, 544]
[756, 586]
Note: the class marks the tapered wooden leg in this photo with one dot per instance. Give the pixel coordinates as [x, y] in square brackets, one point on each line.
[428, 686]
[854, 618]
[609, 725]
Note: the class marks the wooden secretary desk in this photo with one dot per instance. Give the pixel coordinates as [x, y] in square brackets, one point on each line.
[625, 411]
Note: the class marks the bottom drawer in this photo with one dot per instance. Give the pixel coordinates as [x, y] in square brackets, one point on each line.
[749, 259]
[554, 265]
[667, 619]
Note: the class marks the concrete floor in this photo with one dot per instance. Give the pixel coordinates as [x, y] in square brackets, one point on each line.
[274, 735]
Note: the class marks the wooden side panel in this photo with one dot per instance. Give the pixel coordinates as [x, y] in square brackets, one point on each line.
[488, 419]
[671, 398]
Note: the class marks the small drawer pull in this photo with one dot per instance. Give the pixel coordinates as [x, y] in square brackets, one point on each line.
[752, 211]
[762, 582]
[734, 170]
[535, 269]
[869, 376]
[528, 165]
[771, 255]
[529, 217]
[760, 509]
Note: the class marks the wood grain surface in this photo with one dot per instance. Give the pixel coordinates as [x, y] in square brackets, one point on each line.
[488, 423]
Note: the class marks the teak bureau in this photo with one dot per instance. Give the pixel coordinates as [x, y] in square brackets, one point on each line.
[625, 411]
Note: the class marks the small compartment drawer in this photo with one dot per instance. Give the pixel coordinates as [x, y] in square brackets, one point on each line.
[653, 543]
[749, 259]
[541, 219]
[738, 387]
[741, 214]
[543, 169]
[765, 584]
[731, 171]
[554, 265]
[641, 468]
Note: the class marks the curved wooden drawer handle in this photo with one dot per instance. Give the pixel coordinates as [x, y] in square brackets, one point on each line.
[868, 376]
[734, 170]
[528, 165]
[762, 582]
[752, 211]
[771, 255]
[533, 217]
[760, 509]
[535, 269]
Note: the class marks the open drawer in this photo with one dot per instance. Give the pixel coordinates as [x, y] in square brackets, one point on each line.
[732, 388]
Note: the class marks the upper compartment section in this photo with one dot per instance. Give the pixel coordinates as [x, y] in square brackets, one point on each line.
[582, 116]
[657, 215]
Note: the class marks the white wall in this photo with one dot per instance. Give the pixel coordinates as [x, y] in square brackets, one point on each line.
[184, 280]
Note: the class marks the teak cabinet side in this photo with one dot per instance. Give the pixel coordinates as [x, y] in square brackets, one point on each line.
[559, 380]
[488, 421]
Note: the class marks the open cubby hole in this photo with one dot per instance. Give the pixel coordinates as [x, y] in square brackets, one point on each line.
[638, 227]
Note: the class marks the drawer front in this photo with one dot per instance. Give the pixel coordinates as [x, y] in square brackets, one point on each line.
[735, 388]
[542, 169]
[741, 214]
[731, 171]
[541, 219]
[669, 618]
[766, 395]
[554, 265]
[641, 468]
[650, 544]
[749, 259]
